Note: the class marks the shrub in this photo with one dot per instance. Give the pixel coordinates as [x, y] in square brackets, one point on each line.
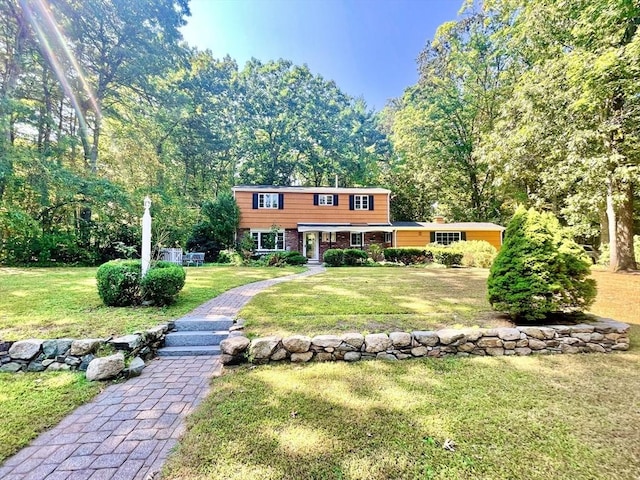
[230, 256]
[376, 252]
[334, 257]
[280, 259]
[354, 256]
[476, 253]
[539, 270]
[162, 283]
[447, 256]
[119, 282]
[294, 258]
[407, 256]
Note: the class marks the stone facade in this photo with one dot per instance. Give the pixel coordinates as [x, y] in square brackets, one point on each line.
[602, 336]
[36, 355]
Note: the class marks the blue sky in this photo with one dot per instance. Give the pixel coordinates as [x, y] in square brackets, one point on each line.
[368, 47]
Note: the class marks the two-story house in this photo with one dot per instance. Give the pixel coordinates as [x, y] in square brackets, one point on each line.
[315, 219]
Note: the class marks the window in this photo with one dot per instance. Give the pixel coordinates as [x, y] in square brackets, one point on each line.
[356, 239]
[268, 200]
[361, 202]
[387, 237]
[329, 237]
[268, 240]
[325, 199]
[445, 238]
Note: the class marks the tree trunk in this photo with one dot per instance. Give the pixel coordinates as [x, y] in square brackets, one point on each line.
[604, 228]
[620, 217]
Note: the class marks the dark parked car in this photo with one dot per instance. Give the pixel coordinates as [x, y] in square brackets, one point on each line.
[592, 253]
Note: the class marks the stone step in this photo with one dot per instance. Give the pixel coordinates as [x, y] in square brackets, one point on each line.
[195, 338]
[203, 350]
[203, 323]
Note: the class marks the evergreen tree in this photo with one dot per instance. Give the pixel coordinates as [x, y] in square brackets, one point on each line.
[540, 270]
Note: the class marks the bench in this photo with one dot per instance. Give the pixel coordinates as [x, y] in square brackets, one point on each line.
[193, 258]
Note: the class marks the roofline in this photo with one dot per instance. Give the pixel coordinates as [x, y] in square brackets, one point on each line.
[273, 188]
[453, 227]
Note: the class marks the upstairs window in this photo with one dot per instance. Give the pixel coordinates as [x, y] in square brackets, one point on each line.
[360, 202]
[268, 200]
[446, 238]
[325, 200]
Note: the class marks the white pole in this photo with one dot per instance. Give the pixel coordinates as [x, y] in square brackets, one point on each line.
[146, 237]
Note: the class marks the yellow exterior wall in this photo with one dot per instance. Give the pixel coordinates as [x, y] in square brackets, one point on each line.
[299, 208]
[492, 237]
[412, 238]
[420, 238]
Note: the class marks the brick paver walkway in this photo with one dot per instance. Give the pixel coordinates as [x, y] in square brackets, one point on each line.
[229, 303]
[128, 430]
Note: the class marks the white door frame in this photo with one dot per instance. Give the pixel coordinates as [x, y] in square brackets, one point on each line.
[316, 253]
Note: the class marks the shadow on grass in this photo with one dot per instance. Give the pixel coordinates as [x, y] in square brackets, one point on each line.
[528, 418]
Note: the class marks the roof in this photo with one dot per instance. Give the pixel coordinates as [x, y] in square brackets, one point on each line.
[345, 227]
[449, 227]
[326, 190]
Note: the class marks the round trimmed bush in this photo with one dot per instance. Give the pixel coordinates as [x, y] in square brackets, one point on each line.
[539, 270]
[294, 257]
[162, 283]
[334, 257]
[119, 282]
[354, 256]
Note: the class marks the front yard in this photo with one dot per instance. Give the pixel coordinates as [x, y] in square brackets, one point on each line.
[64, 302]
[539, 417]
[366, 299]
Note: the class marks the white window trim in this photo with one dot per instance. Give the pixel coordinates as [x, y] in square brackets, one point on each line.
[364, 202]
[325, 200]
[260, 232]
[274, 200]
[361, 243]
[448, 233]
[388, 237]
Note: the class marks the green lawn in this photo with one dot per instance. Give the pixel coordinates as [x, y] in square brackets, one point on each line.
[369, 299]
[33, 402]
[64, 302]
[537, 417]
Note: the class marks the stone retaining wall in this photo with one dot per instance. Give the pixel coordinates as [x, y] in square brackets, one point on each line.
[36, 355]
[603, 335]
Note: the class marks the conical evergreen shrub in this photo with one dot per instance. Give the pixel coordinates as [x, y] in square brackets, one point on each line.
[539, 270]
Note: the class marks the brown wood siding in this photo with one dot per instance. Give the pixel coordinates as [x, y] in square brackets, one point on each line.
[299, 208]
[420, 238]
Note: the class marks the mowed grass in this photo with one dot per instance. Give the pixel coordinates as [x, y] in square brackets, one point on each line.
[33, 402]
[64, 302]
[537, 417]
[373, 299]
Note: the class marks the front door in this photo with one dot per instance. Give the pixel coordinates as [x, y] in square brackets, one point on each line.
[311, 245]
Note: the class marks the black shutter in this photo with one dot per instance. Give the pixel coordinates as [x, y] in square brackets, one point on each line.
[351, 202]
[335, 200]
[280, 201]
[463, 236]
[255, 201]
[432, 237]
[315, 199]
[370, 202]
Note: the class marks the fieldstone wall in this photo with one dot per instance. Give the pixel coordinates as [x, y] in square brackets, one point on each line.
[604, 335]
[35, 355]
